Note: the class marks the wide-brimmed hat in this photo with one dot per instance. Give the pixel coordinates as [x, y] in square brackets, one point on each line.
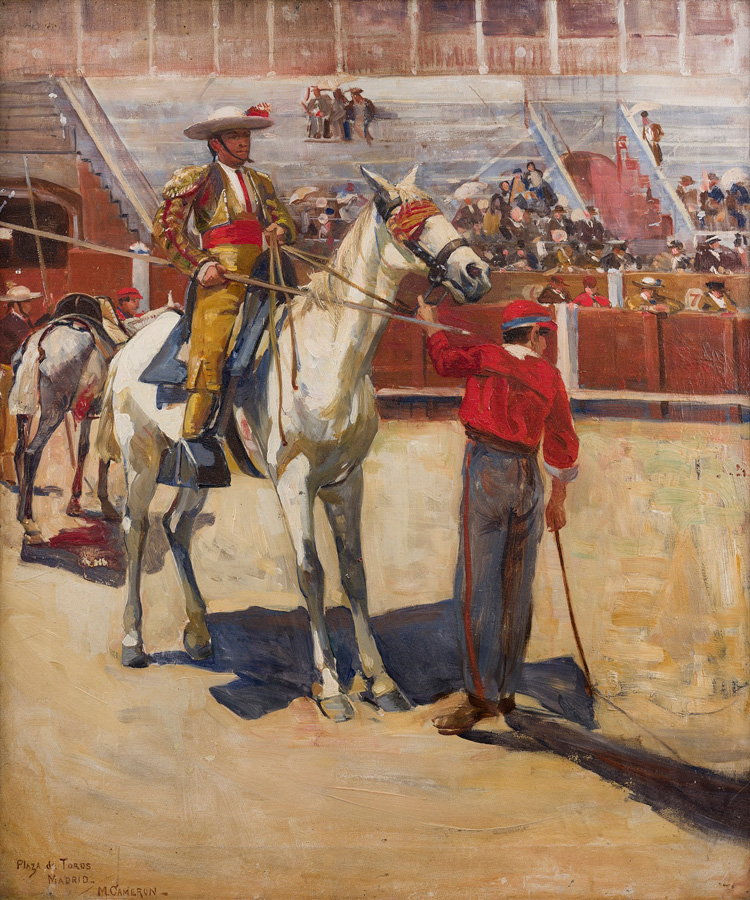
[715, 285]
[650, 284]
[523, 313]
[18, 293]
[229, 118]
[686, 179]
[713, 239]
[558, 279]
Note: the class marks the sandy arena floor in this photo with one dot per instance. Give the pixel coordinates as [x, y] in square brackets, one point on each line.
[140, 783]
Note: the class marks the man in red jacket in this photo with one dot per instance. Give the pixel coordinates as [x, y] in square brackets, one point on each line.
[514, 402]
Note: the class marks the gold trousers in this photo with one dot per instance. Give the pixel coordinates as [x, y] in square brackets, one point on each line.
[214, 317]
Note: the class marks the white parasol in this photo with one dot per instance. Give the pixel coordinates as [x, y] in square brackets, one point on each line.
[470, 189]
[732, 176]
[303, 193]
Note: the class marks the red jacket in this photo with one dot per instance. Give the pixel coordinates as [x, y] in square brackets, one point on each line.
[518, 400]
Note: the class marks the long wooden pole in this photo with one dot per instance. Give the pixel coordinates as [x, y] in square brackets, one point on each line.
[229, 276]
[42, 268]
[87, 245]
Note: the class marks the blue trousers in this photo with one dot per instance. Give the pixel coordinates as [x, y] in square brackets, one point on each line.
[502, 521]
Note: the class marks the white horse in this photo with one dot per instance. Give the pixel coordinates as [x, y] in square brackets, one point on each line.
[329, 420]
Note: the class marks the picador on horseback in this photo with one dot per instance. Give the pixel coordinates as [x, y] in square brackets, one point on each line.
[233, 208]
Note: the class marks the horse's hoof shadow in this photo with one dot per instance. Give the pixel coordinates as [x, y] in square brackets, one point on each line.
[337, 708]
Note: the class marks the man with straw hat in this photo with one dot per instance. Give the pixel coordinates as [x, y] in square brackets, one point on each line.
[233, 208]
[649, 297]
[15, 327]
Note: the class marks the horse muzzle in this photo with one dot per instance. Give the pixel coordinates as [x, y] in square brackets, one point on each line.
[469, 282]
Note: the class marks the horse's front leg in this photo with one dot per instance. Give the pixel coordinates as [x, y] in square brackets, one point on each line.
[293, 488]
[178, 524]
[84, 443]
[343, 503]
[141, 486]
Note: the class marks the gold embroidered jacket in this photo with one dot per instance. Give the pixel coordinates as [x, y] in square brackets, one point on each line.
[203, 192]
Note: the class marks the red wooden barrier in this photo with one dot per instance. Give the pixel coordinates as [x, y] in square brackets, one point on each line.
[699, 355]
[617, 350]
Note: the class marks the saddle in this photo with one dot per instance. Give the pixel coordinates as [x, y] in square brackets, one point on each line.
[168, 369]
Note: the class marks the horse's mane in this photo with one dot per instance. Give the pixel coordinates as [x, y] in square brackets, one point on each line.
[322, 285]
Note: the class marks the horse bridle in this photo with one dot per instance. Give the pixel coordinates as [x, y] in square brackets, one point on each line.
[437, 264]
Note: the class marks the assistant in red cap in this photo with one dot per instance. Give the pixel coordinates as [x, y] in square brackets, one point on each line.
[128, 300]
[589, 296]
[515, 402]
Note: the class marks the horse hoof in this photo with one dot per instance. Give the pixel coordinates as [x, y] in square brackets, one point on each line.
[133, 657]
[32, 535]
[337, 708]
[197, 645]
[392, 701]
[74, 509]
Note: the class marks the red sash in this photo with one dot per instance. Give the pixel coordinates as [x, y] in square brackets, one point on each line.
[243, 231]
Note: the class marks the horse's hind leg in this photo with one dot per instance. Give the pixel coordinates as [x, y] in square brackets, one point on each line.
[51, 416]
[141, 489]
[297, 504]
[84, 443]
[178, 524]
[343, 504]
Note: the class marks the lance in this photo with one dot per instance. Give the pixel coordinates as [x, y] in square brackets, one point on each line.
[229, 276]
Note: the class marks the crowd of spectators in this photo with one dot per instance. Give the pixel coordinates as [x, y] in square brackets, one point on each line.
[712, 208]
[523, 226]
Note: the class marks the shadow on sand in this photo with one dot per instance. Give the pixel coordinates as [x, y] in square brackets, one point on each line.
[270, 652]
[684, 794]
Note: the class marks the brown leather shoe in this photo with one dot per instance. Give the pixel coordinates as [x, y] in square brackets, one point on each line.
[465, 716]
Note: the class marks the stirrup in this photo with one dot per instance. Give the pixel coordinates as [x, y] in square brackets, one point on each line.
[195, 463]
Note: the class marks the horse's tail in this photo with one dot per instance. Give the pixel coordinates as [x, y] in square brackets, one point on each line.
[106, 439]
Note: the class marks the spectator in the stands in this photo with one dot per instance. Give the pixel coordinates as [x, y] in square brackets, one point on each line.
[650, 299]
[468, 219]
[493, 217]
[688, 193]
[589, 296]
[716, 299]
[560, 221]
[555, 291]
[522, 259]
[589, 227]
[672, 259]
[592, 257]
[713, 256]
[620, 259]
[738, 203]
[713, 203]
[566, 259]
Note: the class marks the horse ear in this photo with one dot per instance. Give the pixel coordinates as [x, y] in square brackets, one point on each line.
[377, 182]
[409, 180]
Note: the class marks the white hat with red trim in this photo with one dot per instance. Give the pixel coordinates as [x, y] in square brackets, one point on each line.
[231, 118]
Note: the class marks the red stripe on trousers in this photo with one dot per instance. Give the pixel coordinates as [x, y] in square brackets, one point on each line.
[478, 686]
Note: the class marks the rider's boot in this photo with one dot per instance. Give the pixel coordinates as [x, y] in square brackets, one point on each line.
[197, 460]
